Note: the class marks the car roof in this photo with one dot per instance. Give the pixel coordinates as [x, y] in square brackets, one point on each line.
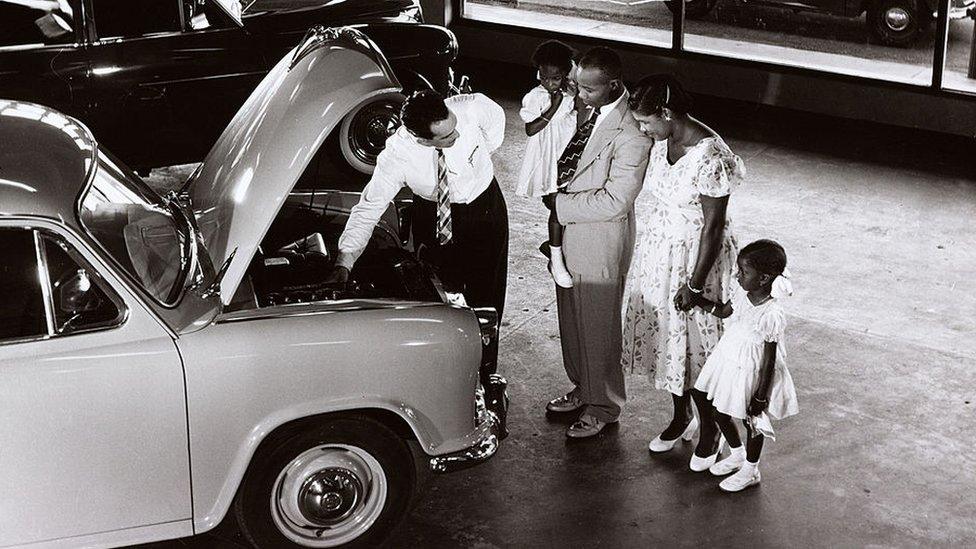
[45, 160]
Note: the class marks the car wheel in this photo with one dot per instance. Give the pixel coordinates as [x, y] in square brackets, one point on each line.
[694, 9]
[894, 22]
[342, 483]
[363, 132]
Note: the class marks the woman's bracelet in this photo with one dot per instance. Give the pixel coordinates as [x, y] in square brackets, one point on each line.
[714, 306]
[544, 118]
[694, 290]
[757, 399]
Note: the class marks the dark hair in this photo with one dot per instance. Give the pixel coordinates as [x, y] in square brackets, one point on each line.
[653, 93]
[554, 53]
[766, 256]
[420, 110]
[604, 59]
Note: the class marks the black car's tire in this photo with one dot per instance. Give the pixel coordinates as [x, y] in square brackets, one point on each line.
[345, 482]
[694, 9]
[895, 22]
[363, 132]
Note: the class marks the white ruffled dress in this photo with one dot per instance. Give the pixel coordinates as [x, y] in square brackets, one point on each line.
[731, 372]
[537, 177]
[672, 346]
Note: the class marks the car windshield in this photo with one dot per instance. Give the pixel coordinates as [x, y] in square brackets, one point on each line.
[137, 229]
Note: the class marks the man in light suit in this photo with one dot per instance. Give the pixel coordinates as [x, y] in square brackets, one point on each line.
[603, 170]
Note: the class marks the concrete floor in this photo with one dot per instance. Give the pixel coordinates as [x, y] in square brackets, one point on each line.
[878, 226]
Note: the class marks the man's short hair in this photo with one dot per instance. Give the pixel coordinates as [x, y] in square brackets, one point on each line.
[604, 59]
[422, 109]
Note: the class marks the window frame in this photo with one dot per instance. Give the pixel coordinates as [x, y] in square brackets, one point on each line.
[97, 38]
[38, 235]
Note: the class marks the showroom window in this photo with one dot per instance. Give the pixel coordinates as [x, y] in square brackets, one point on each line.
[49, 290]
[40, 23]
[131, 18]
[890, 40]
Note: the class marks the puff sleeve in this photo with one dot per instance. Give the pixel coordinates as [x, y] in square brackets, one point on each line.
[720, 171]
[534, 104]
[772, 323]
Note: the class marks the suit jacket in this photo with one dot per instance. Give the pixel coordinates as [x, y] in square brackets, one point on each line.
[598, 207]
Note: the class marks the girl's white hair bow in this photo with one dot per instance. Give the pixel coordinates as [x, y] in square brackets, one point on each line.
[782, 285]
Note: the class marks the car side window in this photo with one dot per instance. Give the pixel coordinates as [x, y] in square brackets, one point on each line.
[80, 299]
[41, 22]
[22, 311]
[204, 14]
[133, 18]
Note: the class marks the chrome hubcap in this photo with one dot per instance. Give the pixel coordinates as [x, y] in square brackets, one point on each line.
[897, 19]
[328, 495]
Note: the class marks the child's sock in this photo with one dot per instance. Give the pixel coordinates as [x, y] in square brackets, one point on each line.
[558, 268]
[750, 467]
[730, 464]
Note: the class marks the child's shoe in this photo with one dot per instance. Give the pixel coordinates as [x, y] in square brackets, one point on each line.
[730, 464]
[558, 268]
[747, 476]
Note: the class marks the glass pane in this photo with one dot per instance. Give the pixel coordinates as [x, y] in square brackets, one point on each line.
[35, 22]
[129, 18]
[136, 229]
[885, 39]
[960, 66]
[22, 307]
[81, 300]
[637, 21]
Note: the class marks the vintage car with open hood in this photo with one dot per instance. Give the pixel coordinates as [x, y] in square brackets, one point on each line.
[156, 81]
[169, 361]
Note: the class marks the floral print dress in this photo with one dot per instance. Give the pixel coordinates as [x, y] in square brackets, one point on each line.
[670, 345]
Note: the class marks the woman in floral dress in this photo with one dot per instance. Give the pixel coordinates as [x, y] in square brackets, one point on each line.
[687, 248]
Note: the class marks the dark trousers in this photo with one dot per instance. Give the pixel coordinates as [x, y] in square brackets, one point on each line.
[475, 261]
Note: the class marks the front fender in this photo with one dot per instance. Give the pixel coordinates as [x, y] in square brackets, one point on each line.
[419, 54]
[254, 371]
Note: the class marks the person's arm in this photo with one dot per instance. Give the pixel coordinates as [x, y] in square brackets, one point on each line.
[388, 178]
[760, 397]
[710, 243]
[537, 125]
[721, 310]
[617, 196]
[491, 120]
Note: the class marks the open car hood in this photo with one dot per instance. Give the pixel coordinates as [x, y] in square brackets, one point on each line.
[233, 9]
[240, 187]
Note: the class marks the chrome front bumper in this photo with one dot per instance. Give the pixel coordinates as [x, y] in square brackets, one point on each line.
[492, 409]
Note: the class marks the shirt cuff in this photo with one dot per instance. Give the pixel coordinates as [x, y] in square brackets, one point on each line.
[347, 259]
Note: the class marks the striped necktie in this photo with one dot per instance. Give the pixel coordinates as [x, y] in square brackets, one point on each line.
[569, 160]
[443, 201]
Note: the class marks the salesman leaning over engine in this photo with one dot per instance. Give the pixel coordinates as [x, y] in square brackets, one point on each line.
[460, 222]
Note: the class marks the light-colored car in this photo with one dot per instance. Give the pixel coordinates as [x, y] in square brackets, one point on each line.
[161, 367]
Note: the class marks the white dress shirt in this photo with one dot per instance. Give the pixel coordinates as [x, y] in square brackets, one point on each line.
[404, 161]
[607, 109]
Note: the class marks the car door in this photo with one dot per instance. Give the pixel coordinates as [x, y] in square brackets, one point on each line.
[167, 76]
[42, 57]
[93, 433]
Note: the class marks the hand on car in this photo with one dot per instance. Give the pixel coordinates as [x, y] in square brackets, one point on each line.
[338, 276]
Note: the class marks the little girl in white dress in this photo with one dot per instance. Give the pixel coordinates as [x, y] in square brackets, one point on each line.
[745, 377]
[548, 112]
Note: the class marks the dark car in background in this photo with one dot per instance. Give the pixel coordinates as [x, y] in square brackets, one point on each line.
[157, 80]
[890, 22]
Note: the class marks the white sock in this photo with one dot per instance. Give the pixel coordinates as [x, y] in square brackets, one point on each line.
[738, 453]
[750, 467]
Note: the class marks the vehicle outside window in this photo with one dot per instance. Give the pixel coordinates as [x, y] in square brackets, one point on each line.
[22, 313]
[137, 230]
[80, 300]
[35, 22]
[133, 18]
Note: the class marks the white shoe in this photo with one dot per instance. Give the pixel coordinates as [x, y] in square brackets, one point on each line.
[699, 464]
[744, 478]
[730, 464]
[557, 268]
[659, 445]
